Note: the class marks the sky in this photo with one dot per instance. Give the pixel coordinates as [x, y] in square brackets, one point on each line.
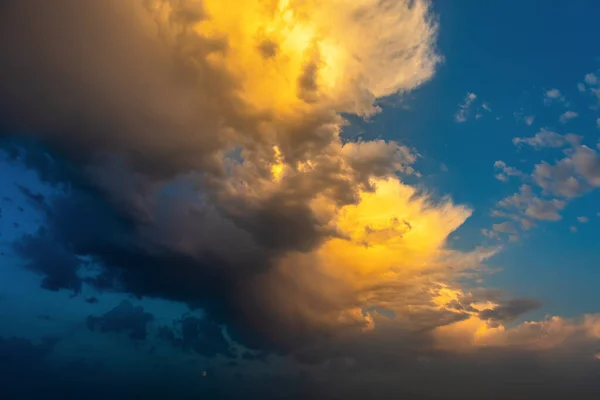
[299, 199]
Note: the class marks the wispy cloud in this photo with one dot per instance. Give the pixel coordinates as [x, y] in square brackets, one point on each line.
[546, 139]
[505, 171]
[520, 116]
[464, 108]
[583, 220]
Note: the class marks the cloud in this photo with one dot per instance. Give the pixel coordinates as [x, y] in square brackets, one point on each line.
[529, 205]
[521, 117]
[559, 179]
[23, 354]
[567, 116]
[545, 139]
[467, 106]
[554, 96]
[490, 234]
[505, 227]
[591, 84]
[464, 108]
[509, 310]
[124, 318]
[573, 228]
[571, 176]
[181, 174]
[199, 335]
[506, 171]
[190, 179]
[529, 120]
[55, 263]
[598, 123]
[583, 220]
[591, 79]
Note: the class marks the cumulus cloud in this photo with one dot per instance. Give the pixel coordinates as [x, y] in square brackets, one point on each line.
[583, 220]
[179, 157]
[567, 116]
[181, 174]
[529, 205]
[559, 179]
[554, 96]
[572, 176]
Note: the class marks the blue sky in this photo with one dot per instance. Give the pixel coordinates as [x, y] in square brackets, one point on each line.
[508, 125]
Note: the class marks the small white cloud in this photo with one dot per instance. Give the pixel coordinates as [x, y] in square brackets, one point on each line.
[463, 112]
[573, 229]
[520, 116]
[598, 123]
[468, 106]
[504, 227]
[581, 87]
[506, 171]
[526, 224]
[501, 177]
[583, 220]
[544, 138]
[533, 207]
[529, 120]
[553, 94]
[567, 116]
[591, 79]
[490, 234]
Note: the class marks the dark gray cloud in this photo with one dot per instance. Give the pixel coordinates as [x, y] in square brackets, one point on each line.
[510, 310]
[22, 354]
[37, 198]
[124, 318]
[199, 335]
[57, 264]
